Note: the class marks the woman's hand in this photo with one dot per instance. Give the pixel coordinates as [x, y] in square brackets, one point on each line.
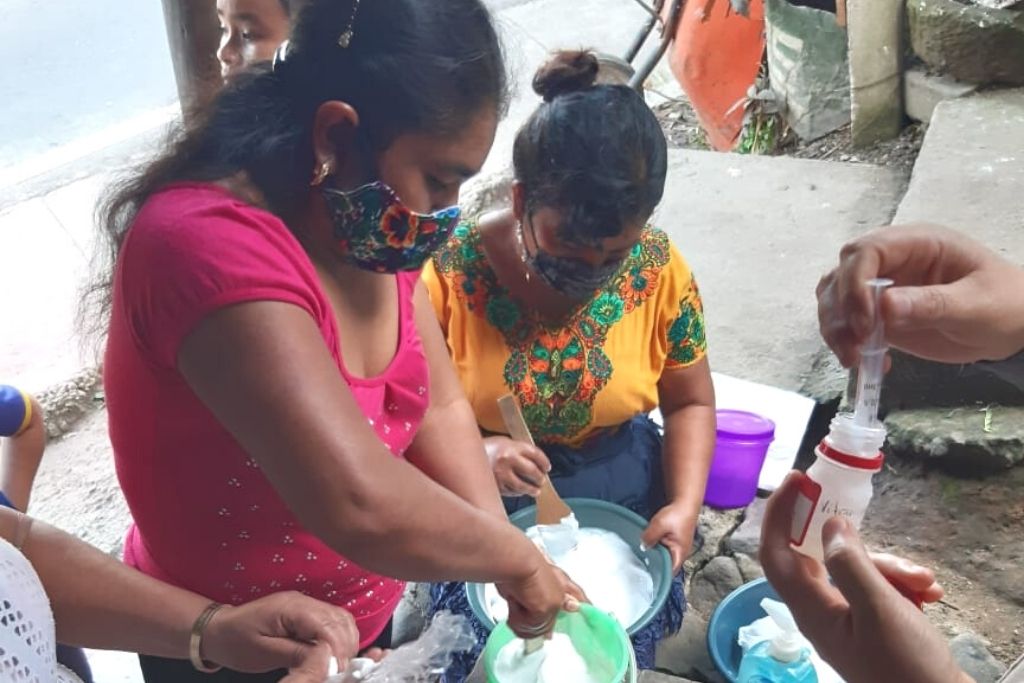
[535, 601]
[574, 595]
[953, 300]
[673, 527]
[859, 623]
[284, 630]
[519, 468]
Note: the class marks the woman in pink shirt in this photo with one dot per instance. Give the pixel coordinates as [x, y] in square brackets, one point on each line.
[282, 407]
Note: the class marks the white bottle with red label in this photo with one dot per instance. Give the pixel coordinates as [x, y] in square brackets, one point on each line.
[838, 484]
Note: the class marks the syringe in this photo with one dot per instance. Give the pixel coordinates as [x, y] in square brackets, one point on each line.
[839, 481]
[872, 363]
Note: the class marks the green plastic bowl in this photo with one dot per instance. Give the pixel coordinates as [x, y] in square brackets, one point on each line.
[596, 635]
[603, 515]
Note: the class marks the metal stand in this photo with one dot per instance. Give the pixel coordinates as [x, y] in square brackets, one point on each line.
[665, 15]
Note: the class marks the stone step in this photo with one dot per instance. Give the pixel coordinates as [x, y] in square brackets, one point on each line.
[965, 441]
[915, 383]
[971, 169]
[923, 90]
[968, 176]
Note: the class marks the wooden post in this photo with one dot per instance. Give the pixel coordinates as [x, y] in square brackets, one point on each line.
[193, 35]
[875, 30]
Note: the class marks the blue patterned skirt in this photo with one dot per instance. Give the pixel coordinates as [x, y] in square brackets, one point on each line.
[622, 466]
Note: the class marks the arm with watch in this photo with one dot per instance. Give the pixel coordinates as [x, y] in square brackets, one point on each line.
[101, 603]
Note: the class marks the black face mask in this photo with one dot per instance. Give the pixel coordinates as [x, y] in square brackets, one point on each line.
[573, 278]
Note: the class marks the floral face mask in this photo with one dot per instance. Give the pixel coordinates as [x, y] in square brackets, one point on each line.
[375, 231]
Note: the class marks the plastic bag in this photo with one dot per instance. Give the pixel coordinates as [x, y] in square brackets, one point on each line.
[424, 659]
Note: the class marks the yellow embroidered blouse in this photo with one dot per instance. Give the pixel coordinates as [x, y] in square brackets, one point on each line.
[598, 370]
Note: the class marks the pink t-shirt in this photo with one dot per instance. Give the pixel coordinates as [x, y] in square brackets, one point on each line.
[205, 516]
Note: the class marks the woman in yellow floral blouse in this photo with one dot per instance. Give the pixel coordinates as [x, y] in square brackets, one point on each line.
[590, 316]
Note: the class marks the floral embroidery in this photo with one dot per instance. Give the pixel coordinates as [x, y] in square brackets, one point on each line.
[607, 309]
[556, 364]
[557, 372]
[502, 313]
[686, 337]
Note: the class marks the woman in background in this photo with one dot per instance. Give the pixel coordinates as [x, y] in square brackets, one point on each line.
[570, 300]
[250, 32]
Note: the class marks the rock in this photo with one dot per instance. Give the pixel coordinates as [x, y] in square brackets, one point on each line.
[714, 527]
[716, 580]
[1000, 4]
[957, 439]
[747, 537]
[971, 654]
[67, 403]
[411, 616]
[686, 653]
[826, 380]
[971, 43]
[750, 568]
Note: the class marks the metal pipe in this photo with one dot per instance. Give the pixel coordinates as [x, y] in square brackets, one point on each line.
[655, 11]
[645, 31]
[667, 35]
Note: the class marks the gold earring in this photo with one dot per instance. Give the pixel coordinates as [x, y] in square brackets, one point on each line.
[321, 174]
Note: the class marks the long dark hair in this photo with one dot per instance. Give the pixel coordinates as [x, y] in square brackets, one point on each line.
[595, 152]
[411, 65]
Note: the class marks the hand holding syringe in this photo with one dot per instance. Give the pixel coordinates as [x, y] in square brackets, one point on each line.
[872, 362]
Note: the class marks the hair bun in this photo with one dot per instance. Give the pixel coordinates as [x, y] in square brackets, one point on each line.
[566, 72]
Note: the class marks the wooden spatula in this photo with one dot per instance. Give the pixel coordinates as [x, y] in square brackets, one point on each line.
[551, 509]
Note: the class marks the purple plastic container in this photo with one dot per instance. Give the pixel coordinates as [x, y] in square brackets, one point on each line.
[740, 450]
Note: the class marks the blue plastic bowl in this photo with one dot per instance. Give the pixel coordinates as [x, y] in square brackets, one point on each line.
[740, 608]
[603, 515]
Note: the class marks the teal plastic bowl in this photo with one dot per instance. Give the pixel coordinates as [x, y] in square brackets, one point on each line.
[740, 608]
[603, 515]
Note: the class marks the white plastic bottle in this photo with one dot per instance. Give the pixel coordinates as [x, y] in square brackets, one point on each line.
[783, 659]
[839, 481]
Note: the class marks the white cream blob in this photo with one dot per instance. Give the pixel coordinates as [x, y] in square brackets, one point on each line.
[600, 562]
[556, 662]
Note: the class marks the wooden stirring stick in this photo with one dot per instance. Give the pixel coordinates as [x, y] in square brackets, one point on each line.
[551, 509]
